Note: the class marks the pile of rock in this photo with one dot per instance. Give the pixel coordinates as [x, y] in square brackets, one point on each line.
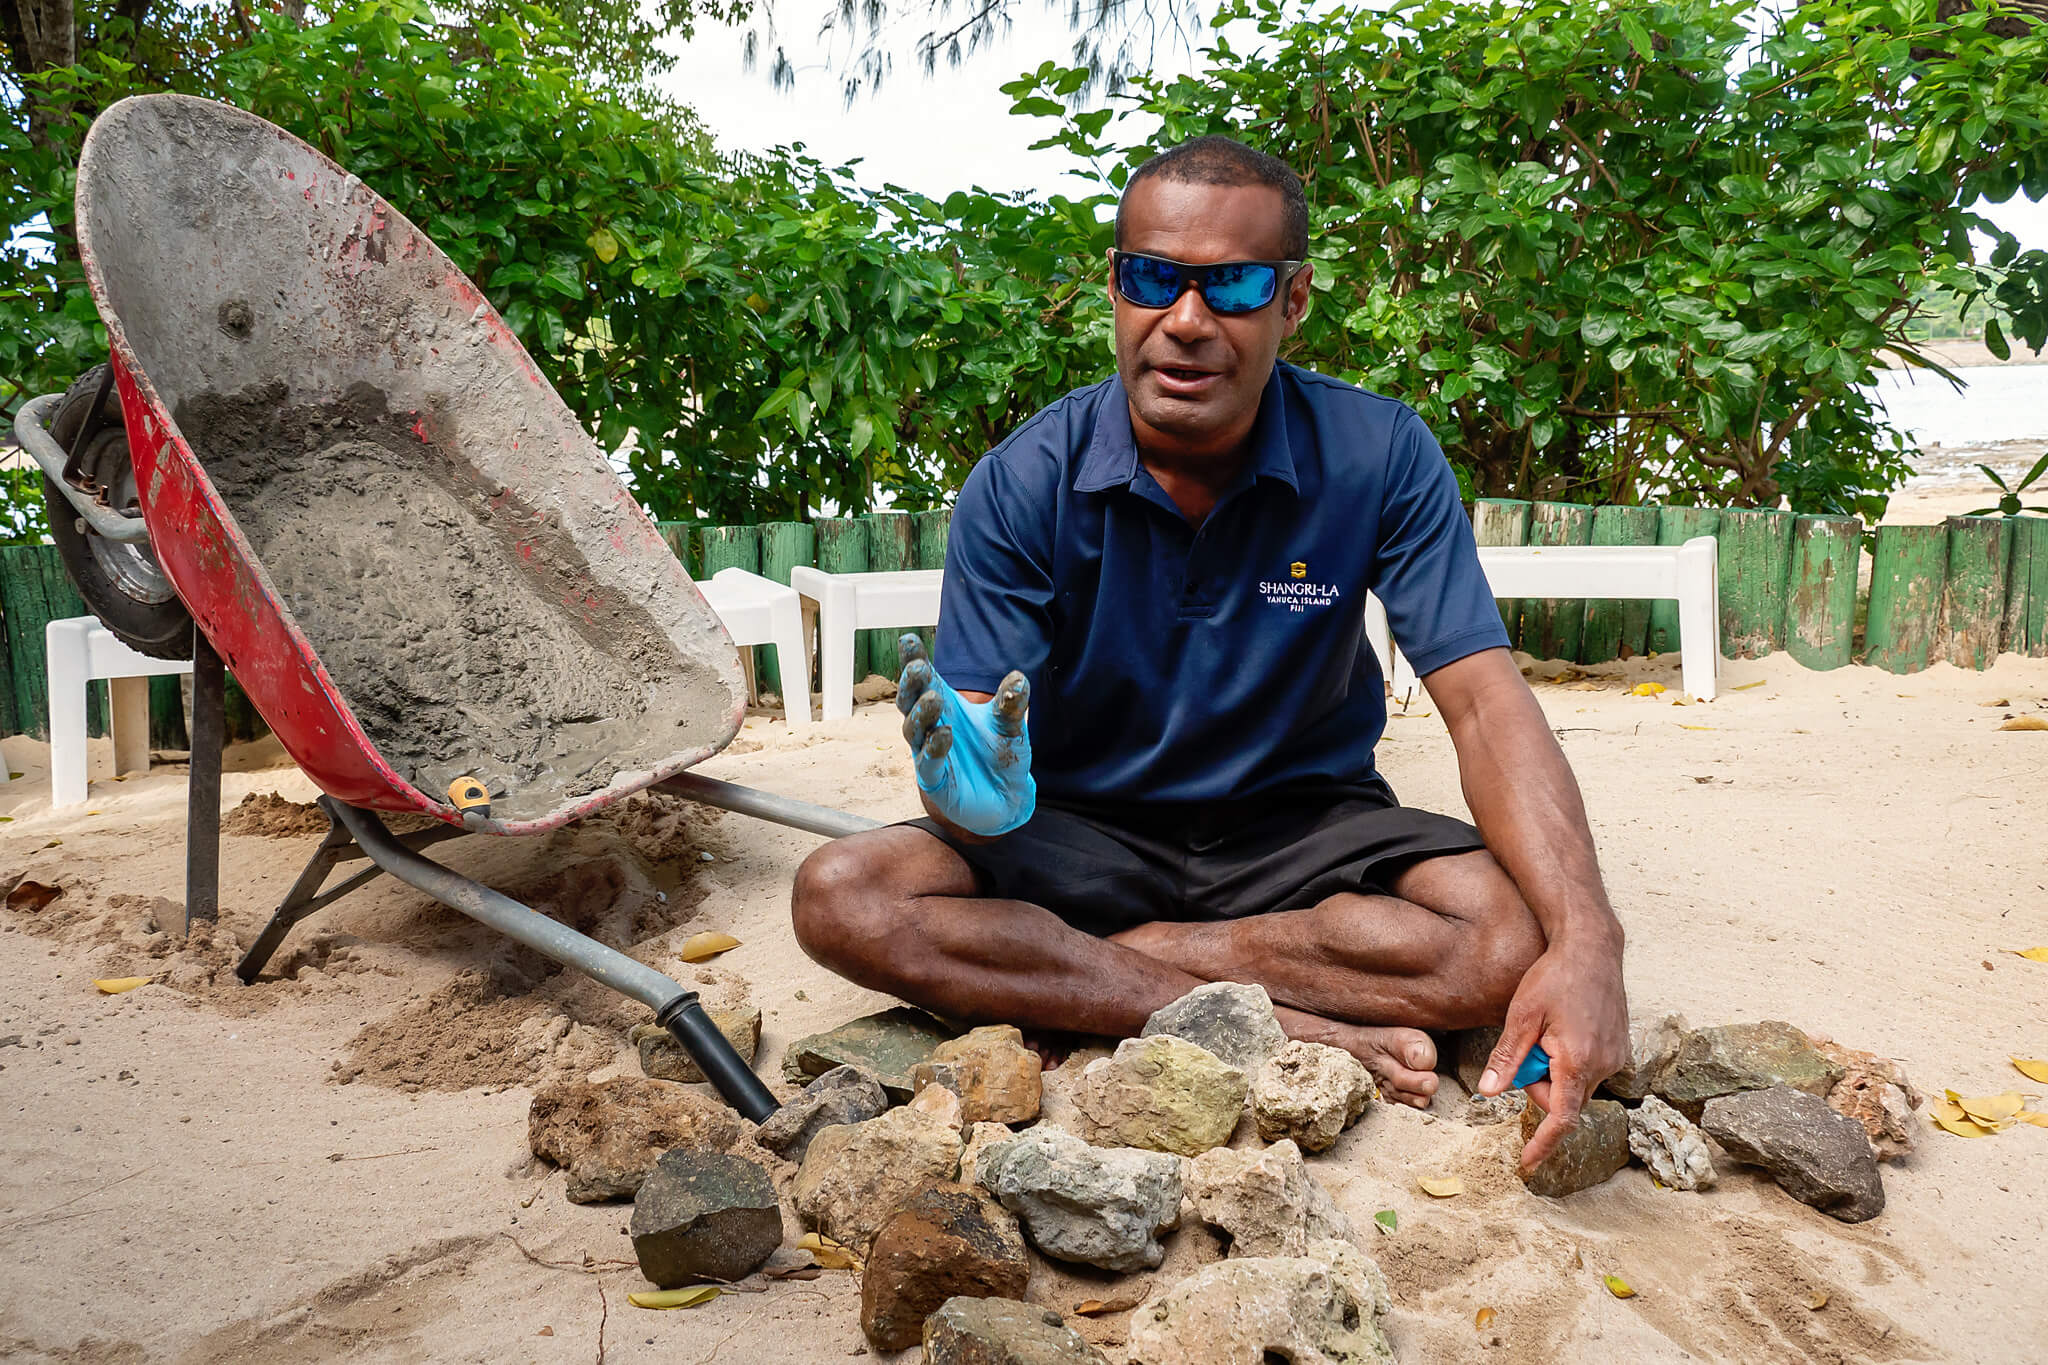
[1816, 1117]
[903, 1147]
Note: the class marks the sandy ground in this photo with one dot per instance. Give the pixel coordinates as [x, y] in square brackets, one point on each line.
[335, 1159]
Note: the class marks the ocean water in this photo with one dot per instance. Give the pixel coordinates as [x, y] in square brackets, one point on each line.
[1999, 418]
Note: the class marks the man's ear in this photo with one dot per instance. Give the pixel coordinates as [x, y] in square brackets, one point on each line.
[1297, 298]
[1109, 281]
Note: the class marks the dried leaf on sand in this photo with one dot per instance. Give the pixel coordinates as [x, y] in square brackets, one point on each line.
[1617, 1286]
[119, 985]
[1444, 1187]
[674, 1298]
[707, 945]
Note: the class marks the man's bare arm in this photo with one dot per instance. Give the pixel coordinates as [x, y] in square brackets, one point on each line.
[1527, 805]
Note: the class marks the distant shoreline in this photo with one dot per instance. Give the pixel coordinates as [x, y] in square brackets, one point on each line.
[1966, 354]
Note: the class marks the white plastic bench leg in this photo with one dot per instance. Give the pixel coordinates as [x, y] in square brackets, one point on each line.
[792, 661]
[1699, 616]
[835, 650]
[128, 721]
[66, 647]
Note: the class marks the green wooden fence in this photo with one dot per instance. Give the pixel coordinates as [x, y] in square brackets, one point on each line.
[1964, 591]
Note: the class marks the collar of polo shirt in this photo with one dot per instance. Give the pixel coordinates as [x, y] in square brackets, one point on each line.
[1112, 457]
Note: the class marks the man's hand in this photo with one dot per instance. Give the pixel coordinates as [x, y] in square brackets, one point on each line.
[973, 758]
[1570, 1001]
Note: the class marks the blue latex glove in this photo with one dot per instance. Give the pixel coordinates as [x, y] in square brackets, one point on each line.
[973, 758]
[1534, 1068]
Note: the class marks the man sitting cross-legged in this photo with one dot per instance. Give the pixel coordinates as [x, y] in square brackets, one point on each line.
[1174, 564]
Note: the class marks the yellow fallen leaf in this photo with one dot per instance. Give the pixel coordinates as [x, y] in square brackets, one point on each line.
[2033, 954]
[1992, 1109]
[1617, 1286]
[1817, 1300]
[1444, 1187]
[1949, 1116]
[1482, 1317]
[1647, 690]
[707, 945]
[2032, 1069]
[1695, 727]
[1746, 686]
[688, 1297]
[2025, 723]
[119, 985]
[828, 1253]
[2029, 1116]
[1089, 1307]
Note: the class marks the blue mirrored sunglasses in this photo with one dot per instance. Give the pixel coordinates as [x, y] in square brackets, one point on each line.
[1228, 287]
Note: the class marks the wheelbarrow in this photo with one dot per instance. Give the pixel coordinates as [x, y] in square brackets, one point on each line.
[233, 263]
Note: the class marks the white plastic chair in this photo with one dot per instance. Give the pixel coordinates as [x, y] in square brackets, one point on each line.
[846, 602]
[760, 611]
[79, 649]
[1688, 574]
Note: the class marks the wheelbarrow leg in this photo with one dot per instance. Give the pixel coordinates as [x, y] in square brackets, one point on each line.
[302, 900]
[202, 799]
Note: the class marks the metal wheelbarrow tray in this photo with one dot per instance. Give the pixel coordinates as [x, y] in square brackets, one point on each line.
[342, 452]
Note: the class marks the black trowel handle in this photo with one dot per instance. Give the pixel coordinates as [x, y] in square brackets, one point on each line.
[735, 1081]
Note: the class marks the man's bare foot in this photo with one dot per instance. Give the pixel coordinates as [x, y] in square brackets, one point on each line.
[1402, 1060]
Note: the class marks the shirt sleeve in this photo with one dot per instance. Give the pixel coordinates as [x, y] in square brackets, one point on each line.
[1427, 569]
[995, 613]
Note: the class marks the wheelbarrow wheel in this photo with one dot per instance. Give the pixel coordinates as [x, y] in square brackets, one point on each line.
[121, 583]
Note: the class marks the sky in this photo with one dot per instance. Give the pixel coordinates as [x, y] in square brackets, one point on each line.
[952, 130]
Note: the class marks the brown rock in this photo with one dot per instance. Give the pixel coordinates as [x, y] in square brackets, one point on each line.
[1589, 1154]
[1003, 1332]
[663, 1058]
[996, 1077]
[950, 1241]
[608, 1135]
[1737, 1057]
[1874, 1091]
[854, 1176]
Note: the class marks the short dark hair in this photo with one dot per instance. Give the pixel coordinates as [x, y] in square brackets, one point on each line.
[1216, 160]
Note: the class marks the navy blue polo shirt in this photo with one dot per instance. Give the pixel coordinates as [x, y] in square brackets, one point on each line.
[1170, 662]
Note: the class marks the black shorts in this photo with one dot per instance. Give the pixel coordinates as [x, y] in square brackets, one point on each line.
[1104, 868]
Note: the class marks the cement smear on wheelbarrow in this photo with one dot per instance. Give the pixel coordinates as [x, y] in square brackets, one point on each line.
[449, 643]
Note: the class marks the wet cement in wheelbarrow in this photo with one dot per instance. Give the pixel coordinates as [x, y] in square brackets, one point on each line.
[399, 563]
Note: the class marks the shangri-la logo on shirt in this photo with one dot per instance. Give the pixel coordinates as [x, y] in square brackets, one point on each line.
[1296, 593]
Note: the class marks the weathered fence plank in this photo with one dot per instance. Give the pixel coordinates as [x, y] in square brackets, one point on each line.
[1973, 599]
[1675, 526]
[1755, 556]
[892, 547]
[34, 591]
[1618, 628]
[1502, 521]
[1820, 590]
[733, 547]
[676, 535]
[2026, 589]
[1907, 574]
[932, 529]
[1552, 628]
[843, 548]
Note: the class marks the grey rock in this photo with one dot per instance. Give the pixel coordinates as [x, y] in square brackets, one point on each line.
[1589, 1154]
[845, 1094]
[888, 1046]
[1233, 1021]
[663, 1058]
[1652, 1047]
[1003, 1332]
[1670, 1144]
[1265, 1202]
[1482, 1112]
[1737, 1057]
[1100, 1206]
[1324, 1308]
[704, 1216]
[1818, 1156]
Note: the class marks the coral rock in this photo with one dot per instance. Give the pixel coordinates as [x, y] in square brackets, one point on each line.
[1310, 1093]
[949, 1241]
[854, 1177]
[1265, 1202]
[704, 1216]
[1667, 1142]
[842, 1095]
[1163, 1093]
[1100, 1206]
[997, 1078]
[1874, 1091]
[1233, 1021]
[1819, 1157]
[1003, 1332]
[608, 1135]
[1320, 1309]
[1589, 1154]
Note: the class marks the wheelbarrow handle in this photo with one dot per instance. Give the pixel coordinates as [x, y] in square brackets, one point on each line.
[32, 429]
